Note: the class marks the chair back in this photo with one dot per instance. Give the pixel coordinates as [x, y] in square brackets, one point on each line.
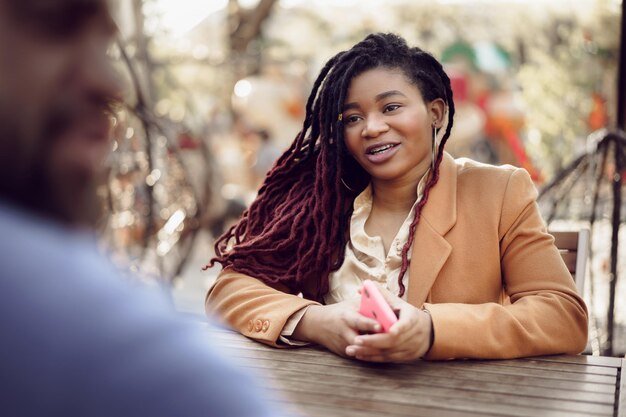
[574, 248]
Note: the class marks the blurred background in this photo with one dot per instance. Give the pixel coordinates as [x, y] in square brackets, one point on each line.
[217, 92]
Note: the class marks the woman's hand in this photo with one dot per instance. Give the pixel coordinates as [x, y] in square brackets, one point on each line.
[334, 326]
[407, 340]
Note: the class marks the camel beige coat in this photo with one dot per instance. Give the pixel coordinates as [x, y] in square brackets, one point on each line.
[482, 264]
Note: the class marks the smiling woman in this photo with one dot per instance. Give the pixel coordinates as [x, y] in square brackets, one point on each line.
[386, 115]
[366, 191]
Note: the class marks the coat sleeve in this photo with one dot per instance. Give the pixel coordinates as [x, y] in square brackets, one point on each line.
[251, 307]
[545, 315]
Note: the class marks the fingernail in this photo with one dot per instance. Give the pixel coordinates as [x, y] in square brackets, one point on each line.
[350, 351]
[358, 341]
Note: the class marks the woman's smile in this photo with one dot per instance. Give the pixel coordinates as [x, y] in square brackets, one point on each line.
[381, 152]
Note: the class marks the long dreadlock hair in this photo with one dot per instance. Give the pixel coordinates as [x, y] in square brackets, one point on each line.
[294, 233]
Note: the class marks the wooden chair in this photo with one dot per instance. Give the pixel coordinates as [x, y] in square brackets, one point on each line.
[574, 248]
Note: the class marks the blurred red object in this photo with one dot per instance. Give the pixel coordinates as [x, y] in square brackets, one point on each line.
[598, 116]
[187, 141]
[458, 82]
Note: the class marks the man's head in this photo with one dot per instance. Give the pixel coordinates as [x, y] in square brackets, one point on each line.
[57, 86]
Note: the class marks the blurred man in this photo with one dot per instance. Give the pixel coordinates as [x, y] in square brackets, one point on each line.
[75, 341]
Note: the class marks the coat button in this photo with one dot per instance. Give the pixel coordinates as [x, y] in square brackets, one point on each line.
[258, 325]
[266, 325]
[250, 325]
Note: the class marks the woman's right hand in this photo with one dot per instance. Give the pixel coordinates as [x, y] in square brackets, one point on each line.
[334, 326]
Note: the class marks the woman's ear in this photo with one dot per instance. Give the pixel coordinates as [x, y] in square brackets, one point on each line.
[437, 111]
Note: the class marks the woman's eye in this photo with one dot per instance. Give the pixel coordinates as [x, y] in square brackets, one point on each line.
[391, 107]
[352, 119]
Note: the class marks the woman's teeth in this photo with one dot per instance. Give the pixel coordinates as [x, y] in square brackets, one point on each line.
[381, 149]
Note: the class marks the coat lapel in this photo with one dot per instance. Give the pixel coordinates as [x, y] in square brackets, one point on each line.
[430, 249]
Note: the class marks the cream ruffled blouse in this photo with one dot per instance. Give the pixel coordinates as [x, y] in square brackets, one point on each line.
[365, 256]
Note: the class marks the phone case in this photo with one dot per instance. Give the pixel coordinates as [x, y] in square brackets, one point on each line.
[374, 305]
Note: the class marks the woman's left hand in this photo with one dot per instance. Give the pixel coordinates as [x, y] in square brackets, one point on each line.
[407, 340]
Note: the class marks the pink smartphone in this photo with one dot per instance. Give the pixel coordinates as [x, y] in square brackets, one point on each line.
[373, 305]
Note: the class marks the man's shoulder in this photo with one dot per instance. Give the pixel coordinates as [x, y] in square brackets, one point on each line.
[37, 250]
[74, 329]
[53, 272]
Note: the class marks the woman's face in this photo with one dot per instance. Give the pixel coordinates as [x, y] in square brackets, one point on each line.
[388, 126]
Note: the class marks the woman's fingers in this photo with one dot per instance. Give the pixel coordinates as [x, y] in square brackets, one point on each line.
[400, 332]
[360, 323]
[405, 340]
[377, 341]
[358, 351]
[409, 316]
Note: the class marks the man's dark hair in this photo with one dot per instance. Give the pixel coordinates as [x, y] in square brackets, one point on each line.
[56, 18]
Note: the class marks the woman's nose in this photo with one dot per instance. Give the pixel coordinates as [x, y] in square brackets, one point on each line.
[374, 126]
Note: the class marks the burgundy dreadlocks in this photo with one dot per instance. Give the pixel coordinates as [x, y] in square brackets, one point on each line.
[294, 233]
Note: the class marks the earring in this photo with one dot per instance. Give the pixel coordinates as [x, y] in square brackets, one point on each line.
[346, 185]
[434, 148]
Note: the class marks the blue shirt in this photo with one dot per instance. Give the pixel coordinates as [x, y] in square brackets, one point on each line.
[75, 340]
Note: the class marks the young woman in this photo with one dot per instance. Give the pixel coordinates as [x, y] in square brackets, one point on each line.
[366, 191]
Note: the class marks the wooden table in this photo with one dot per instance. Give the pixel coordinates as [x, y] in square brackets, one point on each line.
[314, 382]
